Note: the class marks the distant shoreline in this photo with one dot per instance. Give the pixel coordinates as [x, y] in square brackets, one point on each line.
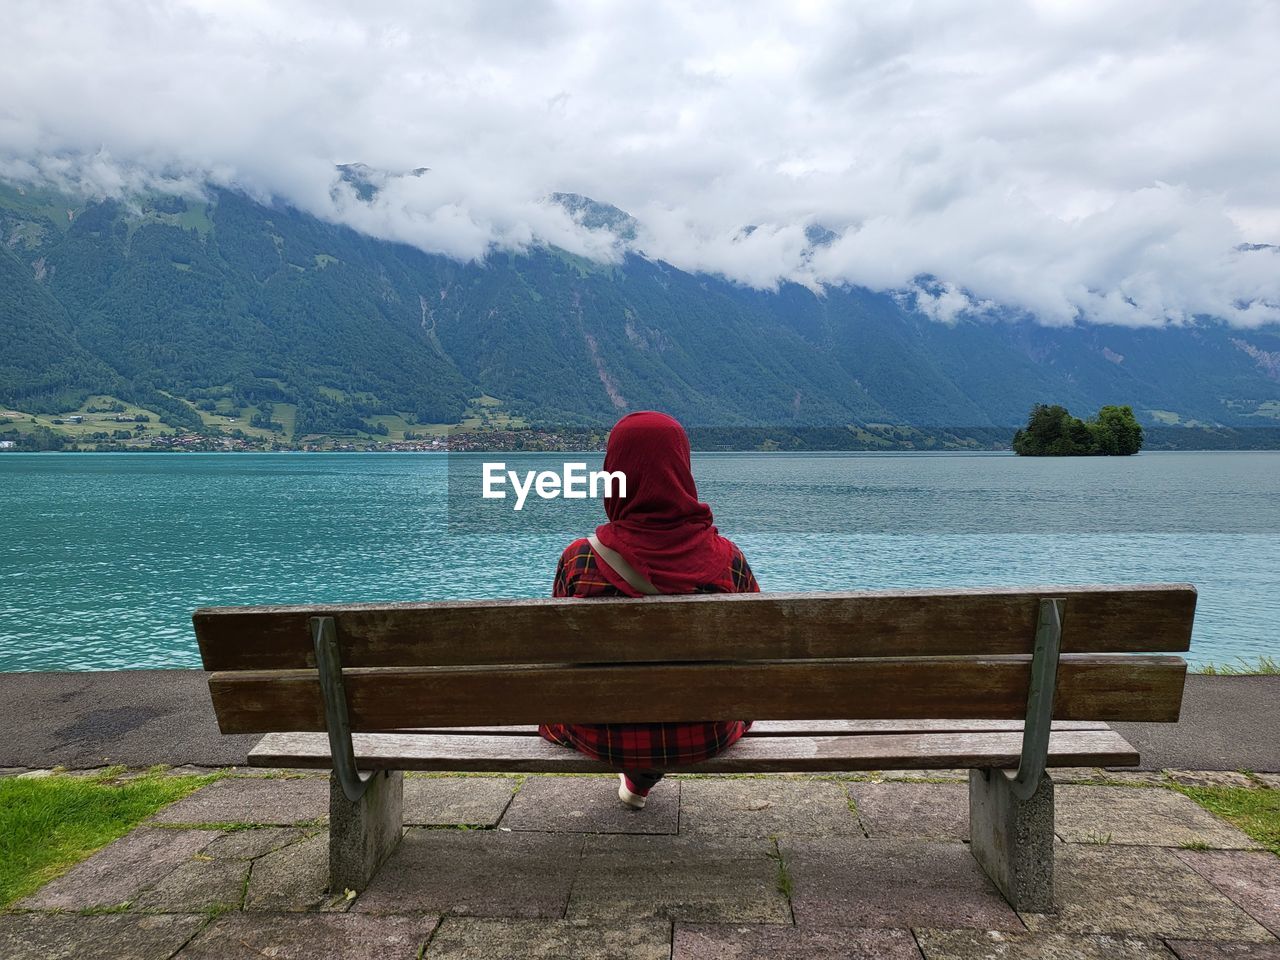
[867, 438]
[139, 451]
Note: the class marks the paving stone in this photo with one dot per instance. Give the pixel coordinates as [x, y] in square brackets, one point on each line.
[118, 871]
[478, 872]
[1272, 780]
[334, 936]
[752, 807]
[248, 844]
[999, 945]
[252, 800]
[1251, 880]
[931, 811]
[65, 936]
[292, 878]
[191, 770]
[1210, 778]
[35, 774]
[472, 938]
[591, 805]
[1076, 774]
[704, 879]
[12, 771]
[892, 883]
[1202, 950]
[1140, 891]
[197, 886]
[455, 801]
[766, 942]
[1162, 818]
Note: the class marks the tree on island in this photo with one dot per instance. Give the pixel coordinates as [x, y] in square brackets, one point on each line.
[1052, 431]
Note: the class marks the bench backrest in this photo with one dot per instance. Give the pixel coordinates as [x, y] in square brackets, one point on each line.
[892, 655]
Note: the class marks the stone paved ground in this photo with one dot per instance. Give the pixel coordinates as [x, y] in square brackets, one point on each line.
[716, 868]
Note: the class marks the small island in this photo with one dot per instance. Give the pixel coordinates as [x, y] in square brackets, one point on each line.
[1052, 431]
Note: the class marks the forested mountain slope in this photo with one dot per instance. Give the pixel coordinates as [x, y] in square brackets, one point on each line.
[174, 304]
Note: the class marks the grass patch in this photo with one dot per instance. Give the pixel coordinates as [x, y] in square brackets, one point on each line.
[1261, 667]
[1256, 812]
[921, 780]
[1108, 780]
[47, 824]
[237, 826]
[100, 420]
[252, 773]
[783, 881]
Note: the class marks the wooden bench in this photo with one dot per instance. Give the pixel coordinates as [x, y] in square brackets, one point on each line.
[1002, 682]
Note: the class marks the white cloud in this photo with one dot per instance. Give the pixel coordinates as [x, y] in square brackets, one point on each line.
[942, 301]
[1073, 160]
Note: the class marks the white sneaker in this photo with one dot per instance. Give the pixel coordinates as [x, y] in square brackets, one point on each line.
[633, 800]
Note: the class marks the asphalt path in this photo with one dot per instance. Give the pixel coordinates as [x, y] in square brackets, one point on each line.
[143, 717]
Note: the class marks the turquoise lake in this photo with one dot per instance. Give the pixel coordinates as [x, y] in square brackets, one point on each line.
[105, 556]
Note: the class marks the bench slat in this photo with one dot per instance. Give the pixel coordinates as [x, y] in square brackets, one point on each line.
[981, 621]
[809, 728]
[1090, 687]
[392, 751]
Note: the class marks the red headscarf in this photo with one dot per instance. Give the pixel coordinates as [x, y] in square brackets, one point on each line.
[660, 526]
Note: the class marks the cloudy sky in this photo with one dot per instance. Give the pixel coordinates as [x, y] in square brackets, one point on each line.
[1075, 160]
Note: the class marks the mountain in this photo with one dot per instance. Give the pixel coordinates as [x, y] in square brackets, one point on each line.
[595, 215]
[366, 181]
[215, 310]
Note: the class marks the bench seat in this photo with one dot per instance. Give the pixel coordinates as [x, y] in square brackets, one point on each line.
[798, 748]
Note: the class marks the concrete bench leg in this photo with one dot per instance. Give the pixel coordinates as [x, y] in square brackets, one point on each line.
[1013, 838]
[363, 834]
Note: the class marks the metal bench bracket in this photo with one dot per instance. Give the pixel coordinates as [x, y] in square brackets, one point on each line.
[324, 634]
[1044, 679]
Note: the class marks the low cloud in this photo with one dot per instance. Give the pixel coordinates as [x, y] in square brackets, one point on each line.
[1074, 161]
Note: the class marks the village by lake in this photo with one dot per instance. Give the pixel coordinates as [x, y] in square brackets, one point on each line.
[105, 556]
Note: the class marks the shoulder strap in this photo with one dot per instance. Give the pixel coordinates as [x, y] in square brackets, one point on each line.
[618, 563]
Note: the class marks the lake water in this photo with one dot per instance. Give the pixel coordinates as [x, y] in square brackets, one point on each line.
[105, 556]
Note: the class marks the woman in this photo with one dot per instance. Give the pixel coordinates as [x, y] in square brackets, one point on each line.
[659, 539]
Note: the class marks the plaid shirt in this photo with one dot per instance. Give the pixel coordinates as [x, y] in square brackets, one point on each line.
[640, 746]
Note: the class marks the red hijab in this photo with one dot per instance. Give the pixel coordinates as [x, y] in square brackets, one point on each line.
[660, 526]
